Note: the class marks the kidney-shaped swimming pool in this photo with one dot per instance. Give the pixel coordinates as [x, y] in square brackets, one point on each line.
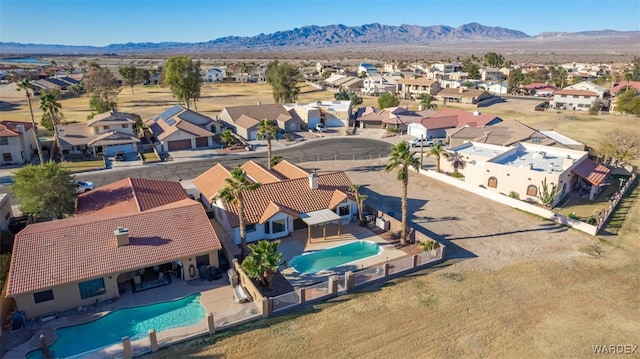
[314, 262]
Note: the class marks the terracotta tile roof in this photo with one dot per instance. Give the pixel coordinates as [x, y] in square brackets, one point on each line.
[259, 174]
[286, 169]
[576, 93]
[10, 128]
[129, 195]
[623, 85]
[295, 194]
[591, 171]
[211, 181]
[81, 248]
[468, 118]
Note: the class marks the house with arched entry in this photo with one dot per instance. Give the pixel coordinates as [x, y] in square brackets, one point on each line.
[525, 168]
[131, 235]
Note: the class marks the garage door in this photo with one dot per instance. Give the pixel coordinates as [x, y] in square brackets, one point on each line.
[179, 145]
[202, 141]
[373, 124]
[417, 131]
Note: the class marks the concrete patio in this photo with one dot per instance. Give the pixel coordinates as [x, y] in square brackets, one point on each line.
[298, 243]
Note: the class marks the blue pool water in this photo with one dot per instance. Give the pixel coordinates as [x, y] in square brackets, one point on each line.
[333, 257]
[134, 323]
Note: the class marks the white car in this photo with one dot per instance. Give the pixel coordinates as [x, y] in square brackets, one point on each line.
[82, 186]
[320, 128]
[425, 143]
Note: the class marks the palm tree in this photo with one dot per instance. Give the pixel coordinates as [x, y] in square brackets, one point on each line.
[263, 261]
[227, 137]
[457, 161]
[233, 192]
[428, 103]
[360, 198]
[51, 107]
[266, 131]
[25, 84]
[438, 151]
[628, 77]
[401, 156]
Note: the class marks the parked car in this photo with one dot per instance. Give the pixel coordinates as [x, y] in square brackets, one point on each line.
[120, 156]
[82, 186]
[320, 128]
[426, 143]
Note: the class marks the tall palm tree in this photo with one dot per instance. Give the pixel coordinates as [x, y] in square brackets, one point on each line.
[25, 84]
[427, 102]
[51, 107]
[438, 151]
[401, 156]
[457, 161]
[266, 131]
[233, 192]
[360, 198]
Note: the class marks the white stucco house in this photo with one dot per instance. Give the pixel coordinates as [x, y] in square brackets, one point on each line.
[216, 74]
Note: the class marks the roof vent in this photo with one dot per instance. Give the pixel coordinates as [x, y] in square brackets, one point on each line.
[122, 236]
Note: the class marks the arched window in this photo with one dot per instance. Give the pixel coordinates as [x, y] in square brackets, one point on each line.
[493, 182]
[532, 191]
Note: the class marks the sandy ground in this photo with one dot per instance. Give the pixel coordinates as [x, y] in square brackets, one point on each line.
[514, 286]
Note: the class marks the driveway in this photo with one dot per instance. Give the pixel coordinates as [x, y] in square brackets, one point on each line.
[478, 233]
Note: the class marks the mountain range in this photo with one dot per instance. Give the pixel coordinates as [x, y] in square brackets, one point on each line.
[318, 37]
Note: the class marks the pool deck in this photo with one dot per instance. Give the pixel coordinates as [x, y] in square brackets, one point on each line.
[216, 297]
[298, 244]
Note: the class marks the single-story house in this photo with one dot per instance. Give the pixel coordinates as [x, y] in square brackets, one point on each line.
[505, 133]
[111, 248]
[278, 207]
[523, 167]
[330, 113]
[179, 128]
[540, 89]
[17, 143]
[244, 120]
[435, 125]
[462, 95]
[107, 133]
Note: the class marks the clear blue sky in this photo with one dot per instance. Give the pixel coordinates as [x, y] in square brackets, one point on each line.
[103, 22]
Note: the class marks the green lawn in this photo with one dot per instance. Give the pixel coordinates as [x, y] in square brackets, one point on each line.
[80, 165]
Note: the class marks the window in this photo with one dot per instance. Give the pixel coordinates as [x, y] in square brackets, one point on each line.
[250, 228]
[92, 288]
[344, 210]
[576, 96]
[4, 141]
[125, 126]
[106, 128]
[493, 182]
[532, 191]
[45, 296]
[7, 157]
[278, 226]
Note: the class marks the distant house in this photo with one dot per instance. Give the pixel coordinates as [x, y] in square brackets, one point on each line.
[368, 69]
[216, 74]
[492, 75]
[498, 88]
[17, 143]
[540, 89]
[580, 100]
[130, 235]
[602, 92]
[462, 95]
[618, 87]
[394, 117]
[244, 120]
[415, 88]
[375, 85]
[330, 113]
[286, 200]
[435, 125]
[179, 128]
[105, 133]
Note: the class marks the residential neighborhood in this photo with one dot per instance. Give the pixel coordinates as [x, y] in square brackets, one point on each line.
[360, 176]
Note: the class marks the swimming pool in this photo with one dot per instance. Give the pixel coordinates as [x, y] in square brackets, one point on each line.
[134, 323]
[315, 262]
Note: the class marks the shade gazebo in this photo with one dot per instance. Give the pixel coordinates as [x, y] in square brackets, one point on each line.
[321, 217]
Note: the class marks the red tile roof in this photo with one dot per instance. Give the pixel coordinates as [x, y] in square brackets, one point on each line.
[295, 195]
[623, 85]
[286, 169]
[259, 174]
[129, 195]
[591, 171]
[211, 181]
[467, 118]
[81, 248]
[10, 128]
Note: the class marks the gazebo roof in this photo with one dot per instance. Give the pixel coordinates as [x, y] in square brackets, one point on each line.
[319, 217]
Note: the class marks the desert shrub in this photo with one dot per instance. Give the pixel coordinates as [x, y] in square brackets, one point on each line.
[514, 194]
[457, 175]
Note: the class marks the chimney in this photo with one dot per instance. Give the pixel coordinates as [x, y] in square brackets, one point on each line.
[61, 132]
[20, 128]
[259, 103]
[313, 180]
[122, 236]
[460, 89]
[476, 113]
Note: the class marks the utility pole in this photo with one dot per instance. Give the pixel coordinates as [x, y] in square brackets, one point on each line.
[421, 148]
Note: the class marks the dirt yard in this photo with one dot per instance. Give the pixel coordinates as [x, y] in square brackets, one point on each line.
[515, 286]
